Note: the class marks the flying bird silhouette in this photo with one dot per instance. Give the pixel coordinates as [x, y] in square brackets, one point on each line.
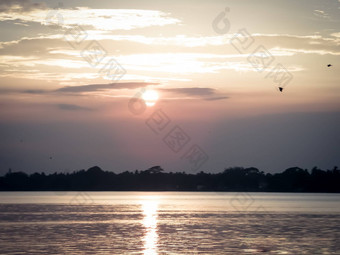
[280, 88]
[329, 65]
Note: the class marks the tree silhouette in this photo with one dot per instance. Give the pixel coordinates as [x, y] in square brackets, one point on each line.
[293, 179]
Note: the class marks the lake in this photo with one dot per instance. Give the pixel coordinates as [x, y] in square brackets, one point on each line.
[169, 223]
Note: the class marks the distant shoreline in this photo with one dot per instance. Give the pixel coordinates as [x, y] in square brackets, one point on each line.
[236, 179]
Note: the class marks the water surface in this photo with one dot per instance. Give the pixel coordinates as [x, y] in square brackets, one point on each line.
[169, 223]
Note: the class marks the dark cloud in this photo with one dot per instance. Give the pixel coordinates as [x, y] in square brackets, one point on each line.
[35, 91]
[192, 91]
[23, 91]
[208, 94]
[81, 89]
[205, 93]
[73, 107]
[216, 98]
[20, 6]
[97, 87]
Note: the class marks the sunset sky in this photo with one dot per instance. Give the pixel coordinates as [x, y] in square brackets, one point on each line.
[205, 79]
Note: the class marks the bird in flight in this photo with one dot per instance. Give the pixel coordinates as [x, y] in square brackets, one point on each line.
[280, 88]
[329, 65]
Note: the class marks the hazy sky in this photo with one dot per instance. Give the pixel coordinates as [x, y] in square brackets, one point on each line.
[73, 74]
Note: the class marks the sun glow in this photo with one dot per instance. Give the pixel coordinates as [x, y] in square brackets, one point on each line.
[150, 97]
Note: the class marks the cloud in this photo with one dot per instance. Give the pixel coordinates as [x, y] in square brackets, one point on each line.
[52, 59]
[200, 47]
[178, 40]
[99, 87]
[98, 19]
[321, 14]
[73, 107]
[291, 52]
[191, 91]
[216, 98]
[79, 89]
[209, 94]
[19, 6]
[34, 91]
[337, 35]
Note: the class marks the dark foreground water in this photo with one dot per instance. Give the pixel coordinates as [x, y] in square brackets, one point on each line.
[168, 223]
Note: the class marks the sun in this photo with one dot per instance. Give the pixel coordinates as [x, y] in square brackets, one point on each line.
[150, 97]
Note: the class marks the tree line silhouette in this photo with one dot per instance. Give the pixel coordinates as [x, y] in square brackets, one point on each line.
[293, 179]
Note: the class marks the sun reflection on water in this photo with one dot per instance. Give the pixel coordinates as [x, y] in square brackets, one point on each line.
[150, 239]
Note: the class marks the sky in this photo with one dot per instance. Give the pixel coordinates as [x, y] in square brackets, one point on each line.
[188, 85]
